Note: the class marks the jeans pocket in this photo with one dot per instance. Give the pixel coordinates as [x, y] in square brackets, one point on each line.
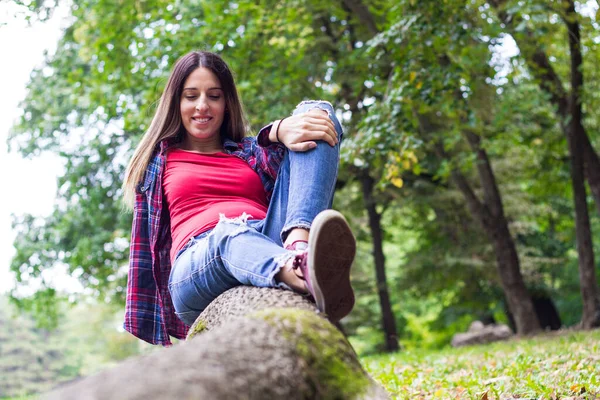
[177, 296]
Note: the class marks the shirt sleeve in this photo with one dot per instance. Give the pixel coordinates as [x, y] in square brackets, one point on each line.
[267, 155]
[263, 136]
[265, 161]
[141, 289]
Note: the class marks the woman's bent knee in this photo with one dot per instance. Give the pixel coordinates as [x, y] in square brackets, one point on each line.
[308, 105]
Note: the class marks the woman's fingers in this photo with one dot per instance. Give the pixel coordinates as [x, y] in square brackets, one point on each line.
[321, 117]
[303, 146]
[328, 138]
[318, 126]
[302, 130]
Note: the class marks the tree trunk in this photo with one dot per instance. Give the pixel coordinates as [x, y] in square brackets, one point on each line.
[591, 166]
[575, 137]
[387, 314]
[490, 214]
[507, 260]
[517, 296]
[251, 343]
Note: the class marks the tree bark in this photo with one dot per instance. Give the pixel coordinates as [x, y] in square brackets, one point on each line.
[550, 82]
[251, 343]
[507, 259]
[387, 314]
[575, 138]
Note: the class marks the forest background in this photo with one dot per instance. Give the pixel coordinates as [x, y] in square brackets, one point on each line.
[470, 171]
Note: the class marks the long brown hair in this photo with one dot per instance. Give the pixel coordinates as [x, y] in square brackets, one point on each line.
[167, 124]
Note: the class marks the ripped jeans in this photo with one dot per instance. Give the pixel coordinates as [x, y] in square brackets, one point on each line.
[249, 252]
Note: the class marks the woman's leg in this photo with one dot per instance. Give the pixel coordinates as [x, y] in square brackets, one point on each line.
[303, 193]
[305, 183]
[233, 254]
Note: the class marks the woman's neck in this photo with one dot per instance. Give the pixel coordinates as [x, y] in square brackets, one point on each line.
[201, 147]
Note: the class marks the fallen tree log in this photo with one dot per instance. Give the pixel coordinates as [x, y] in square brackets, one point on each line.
[250, 343]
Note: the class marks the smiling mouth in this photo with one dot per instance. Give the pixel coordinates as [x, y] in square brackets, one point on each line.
[201, 120]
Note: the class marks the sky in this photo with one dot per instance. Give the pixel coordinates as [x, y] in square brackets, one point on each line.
[29, 186]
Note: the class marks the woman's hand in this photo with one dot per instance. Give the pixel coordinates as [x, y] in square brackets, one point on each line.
[300, 132]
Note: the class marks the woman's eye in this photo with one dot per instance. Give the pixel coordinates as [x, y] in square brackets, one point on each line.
[190, 97]
[215, 97]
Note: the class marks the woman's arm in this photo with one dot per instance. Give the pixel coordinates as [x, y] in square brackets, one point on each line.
[312, 120]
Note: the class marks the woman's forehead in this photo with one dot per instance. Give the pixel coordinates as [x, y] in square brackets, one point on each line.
[202, 79]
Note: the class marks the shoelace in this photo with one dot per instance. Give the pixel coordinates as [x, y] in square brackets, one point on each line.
[297, 263]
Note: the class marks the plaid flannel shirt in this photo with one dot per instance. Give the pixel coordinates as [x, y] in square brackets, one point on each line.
[149, 312]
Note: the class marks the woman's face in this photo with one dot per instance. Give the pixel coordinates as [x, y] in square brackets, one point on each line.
[202, 107]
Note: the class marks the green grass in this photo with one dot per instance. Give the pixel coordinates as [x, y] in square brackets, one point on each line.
[550, 366]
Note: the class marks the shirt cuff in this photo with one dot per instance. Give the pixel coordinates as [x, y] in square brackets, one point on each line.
[263, 135]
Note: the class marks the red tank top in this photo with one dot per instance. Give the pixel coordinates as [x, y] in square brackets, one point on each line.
[199, 187]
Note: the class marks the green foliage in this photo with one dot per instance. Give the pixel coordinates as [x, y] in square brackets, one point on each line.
[29, 362]
[34, 360]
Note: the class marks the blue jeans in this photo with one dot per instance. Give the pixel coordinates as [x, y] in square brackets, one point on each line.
[249, 252]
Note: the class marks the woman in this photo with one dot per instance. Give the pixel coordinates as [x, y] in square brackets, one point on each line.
[214, 209]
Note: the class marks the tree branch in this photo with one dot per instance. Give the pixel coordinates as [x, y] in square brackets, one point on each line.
[576, 63]
[535, 57]
[363, 14]
[491, 195]
[477, 208]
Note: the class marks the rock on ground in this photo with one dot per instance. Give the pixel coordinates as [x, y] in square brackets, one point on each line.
[480, 334]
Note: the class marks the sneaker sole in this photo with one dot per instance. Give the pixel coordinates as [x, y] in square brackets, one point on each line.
[333, 248]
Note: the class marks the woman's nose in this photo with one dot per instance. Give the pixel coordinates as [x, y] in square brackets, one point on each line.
[201, 104]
